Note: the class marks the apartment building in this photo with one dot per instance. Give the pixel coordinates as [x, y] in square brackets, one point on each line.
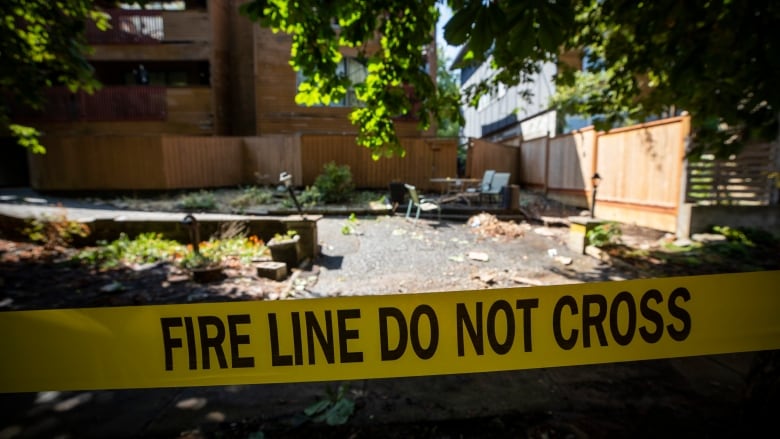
[174, 71]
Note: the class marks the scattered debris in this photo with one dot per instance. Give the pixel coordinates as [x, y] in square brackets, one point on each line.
[488, 225]
[478, 256]
[489, 277]
[544, 231]
[527, 281]
[565, 260]
[456, 258]
[112, 287]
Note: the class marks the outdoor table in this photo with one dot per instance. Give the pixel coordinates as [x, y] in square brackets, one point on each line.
[453, 185]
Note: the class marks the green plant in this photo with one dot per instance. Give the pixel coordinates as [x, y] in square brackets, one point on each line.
[335, 409]
[252, 196]
[310, 197]
[201, 200]
[335, 183]
[348, 228]
[54, 231]
[604, 234]
[143, 249]
[151, 248]
[279, 237]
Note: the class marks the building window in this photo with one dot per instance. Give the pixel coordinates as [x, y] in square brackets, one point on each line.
[355, 71]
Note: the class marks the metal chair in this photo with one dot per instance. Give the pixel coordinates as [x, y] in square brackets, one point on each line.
[497, 184]
[484, 186]
[422, 204]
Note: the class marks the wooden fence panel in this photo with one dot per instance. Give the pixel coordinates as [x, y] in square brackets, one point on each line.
[484, 155]
[743, 179]
[533, 159]
[266, 157]
[98, 163]
[425, 159]
[193, 162]
[641, 165]
[570, 164]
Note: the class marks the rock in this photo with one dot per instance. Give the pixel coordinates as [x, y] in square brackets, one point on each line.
[478, 256]
[565, 260]
[112, 287]
[708, 237]
[272, 270]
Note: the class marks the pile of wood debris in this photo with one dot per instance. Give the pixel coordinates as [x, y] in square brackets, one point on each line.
[488, 226]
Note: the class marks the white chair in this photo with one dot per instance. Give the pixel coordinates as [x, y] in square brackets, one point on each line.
[422, 204]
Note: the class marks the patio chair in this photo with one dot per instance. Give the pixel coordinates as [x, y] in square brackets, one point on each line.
[500, 180]
[420, 203]
[484, 186]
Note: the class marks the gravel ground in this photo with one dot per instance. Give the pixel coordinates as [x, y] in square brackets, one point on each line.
[390, 254]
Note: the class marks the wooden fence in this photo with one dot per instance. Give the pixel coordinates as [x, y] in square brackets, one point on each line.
[178, 162]
[745, 179]
[425, 158]
[640, 166]
[645, 179]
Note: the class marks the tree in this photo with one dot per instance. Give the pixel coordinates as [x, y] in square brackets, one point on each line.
[447, 86]
[714, 59]
[42, 44]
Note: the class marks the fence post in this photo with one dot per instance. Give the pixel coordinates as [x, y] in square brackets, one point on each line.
[684, 209]
[547, 163]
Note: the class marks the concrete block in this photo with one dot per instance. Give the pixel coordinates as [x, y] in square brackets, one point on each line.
[272, 270]
[578, 232]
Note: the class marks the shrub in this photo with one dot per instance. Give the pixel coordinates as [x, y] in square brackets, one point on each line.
[335, 183]
[55, 231]
[201, 200]
[252, 196]
[605, 234]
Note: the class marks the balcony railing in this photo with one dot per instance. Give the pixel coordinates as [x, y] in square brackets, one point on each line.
[129, 27]
[111, 103]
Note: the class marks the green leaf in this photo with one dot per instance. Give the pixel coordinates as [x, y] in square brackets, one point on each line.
[318, 407]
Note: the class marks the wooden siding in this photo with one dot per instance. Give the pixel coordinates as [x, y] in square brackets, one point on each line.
[182, 26]
[196, 51]
[275, 90]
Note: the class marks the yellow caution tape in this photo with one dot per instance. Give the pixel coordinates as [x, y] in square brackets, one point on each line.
[359, 337]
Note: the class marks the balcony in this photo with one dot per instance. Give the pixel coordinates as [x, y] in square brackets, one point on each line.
[113, 103]
[142, 27]
[129, 27]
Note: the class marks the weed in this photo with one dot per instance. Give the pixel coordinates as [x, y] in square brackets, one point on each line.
[201, 200]
[348, 228]
[605, 234]
[310, 197]
[151, 248]
[55, 231]
[335, 409]
[252, 196]
[335, 183]
[143, 249]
